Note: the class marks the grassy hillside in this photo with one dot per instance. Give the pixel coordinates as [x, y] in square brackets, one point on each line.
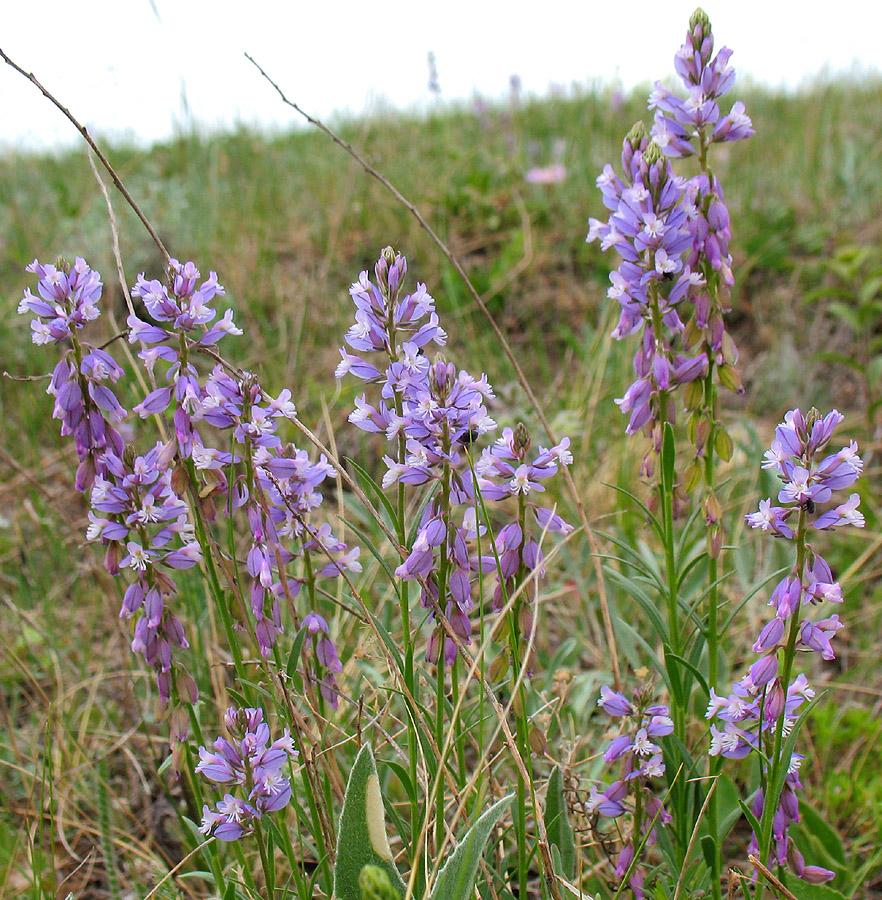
[288, 221]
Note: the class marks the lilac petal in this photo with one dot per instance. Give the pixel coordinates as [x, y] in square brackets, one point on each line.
[155, 402]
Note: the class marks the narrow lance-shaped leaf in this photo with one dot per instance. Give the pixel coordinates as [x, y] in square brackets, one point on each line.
[456, 881]
[557, 823]
[361, 837]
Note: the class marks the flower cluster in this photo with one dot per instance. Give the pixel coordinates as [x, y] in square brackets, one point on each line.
[279, 491]
[649, 228]
[679, 123]
[504, 471]
[760, 703]
[85, 404]
[137, 515]
[643, 723]
[135, 511]
[69, 297]
[186, 309]
[681, 128]
[434, 413]
[810, 476]
[278, 488]
[673, 236]
[251, 761]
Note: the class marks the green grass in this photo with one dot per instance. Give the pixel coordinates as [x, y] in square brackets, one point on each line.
[288, 221]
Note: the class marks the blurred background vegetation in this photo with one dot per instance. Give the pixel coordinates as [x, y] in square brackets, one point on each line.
[288, 221]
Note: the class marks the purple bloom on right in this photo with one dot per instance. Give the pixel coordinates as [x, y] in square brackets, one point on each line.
[760, 706]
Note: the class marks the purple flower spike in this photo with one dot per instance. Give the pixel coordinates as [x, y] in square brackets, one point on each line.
[760, 704]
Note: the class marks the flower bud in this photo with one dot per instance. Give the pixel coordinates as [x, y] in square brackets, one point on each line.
[723, 444]
[178, 725]
[112, 558]
[775, 699]
[702, 430]
[187, 689]
[636, 135]
[180, 480]
[166, 455]
[764, 670]
[653, 154]
[716, 541]
[730, 378]
[713, 512]
[692, 476]
[521, 440]
[498, 668]
[693, 394]
[699, 24]
[374, 884]
[538, 743]
[729, 350]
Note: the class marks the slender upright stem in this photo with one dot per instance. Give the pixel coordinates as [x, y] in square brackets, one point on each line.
[713, 665]
[776, 762]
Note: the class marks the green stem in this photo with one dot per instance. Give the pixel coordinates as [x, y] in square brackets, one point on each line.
[520, 707]
[776, 762]
[713, 762]
[443, 574]
[710, 405]
[459, 742]
[268, 876]
[214, 582]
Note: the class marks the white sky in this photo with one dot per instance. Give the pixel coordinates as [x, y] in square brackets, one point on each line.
[135, 67]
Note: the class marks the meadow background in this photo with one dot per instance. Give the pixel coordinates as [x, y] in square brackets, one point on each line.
[288, 221]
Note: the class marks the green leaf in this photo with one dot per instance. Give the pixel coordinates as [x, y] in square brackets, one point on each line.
[294, 655]
[557, 823]
[748, 814]
[375, 885]
[368, 482]
[649, 608]
[693, 669]
[708, 847]
[361, 838]
[456, 881]
[830, 842]
[728, 809]
[805, 891]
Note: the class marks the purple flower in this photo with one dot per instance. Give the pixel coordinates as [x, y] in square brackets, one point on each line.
[326, 656]
[253, 763]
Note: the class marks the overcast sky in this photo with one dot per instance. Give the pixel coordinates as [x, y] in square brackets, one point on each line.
[141, 68]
